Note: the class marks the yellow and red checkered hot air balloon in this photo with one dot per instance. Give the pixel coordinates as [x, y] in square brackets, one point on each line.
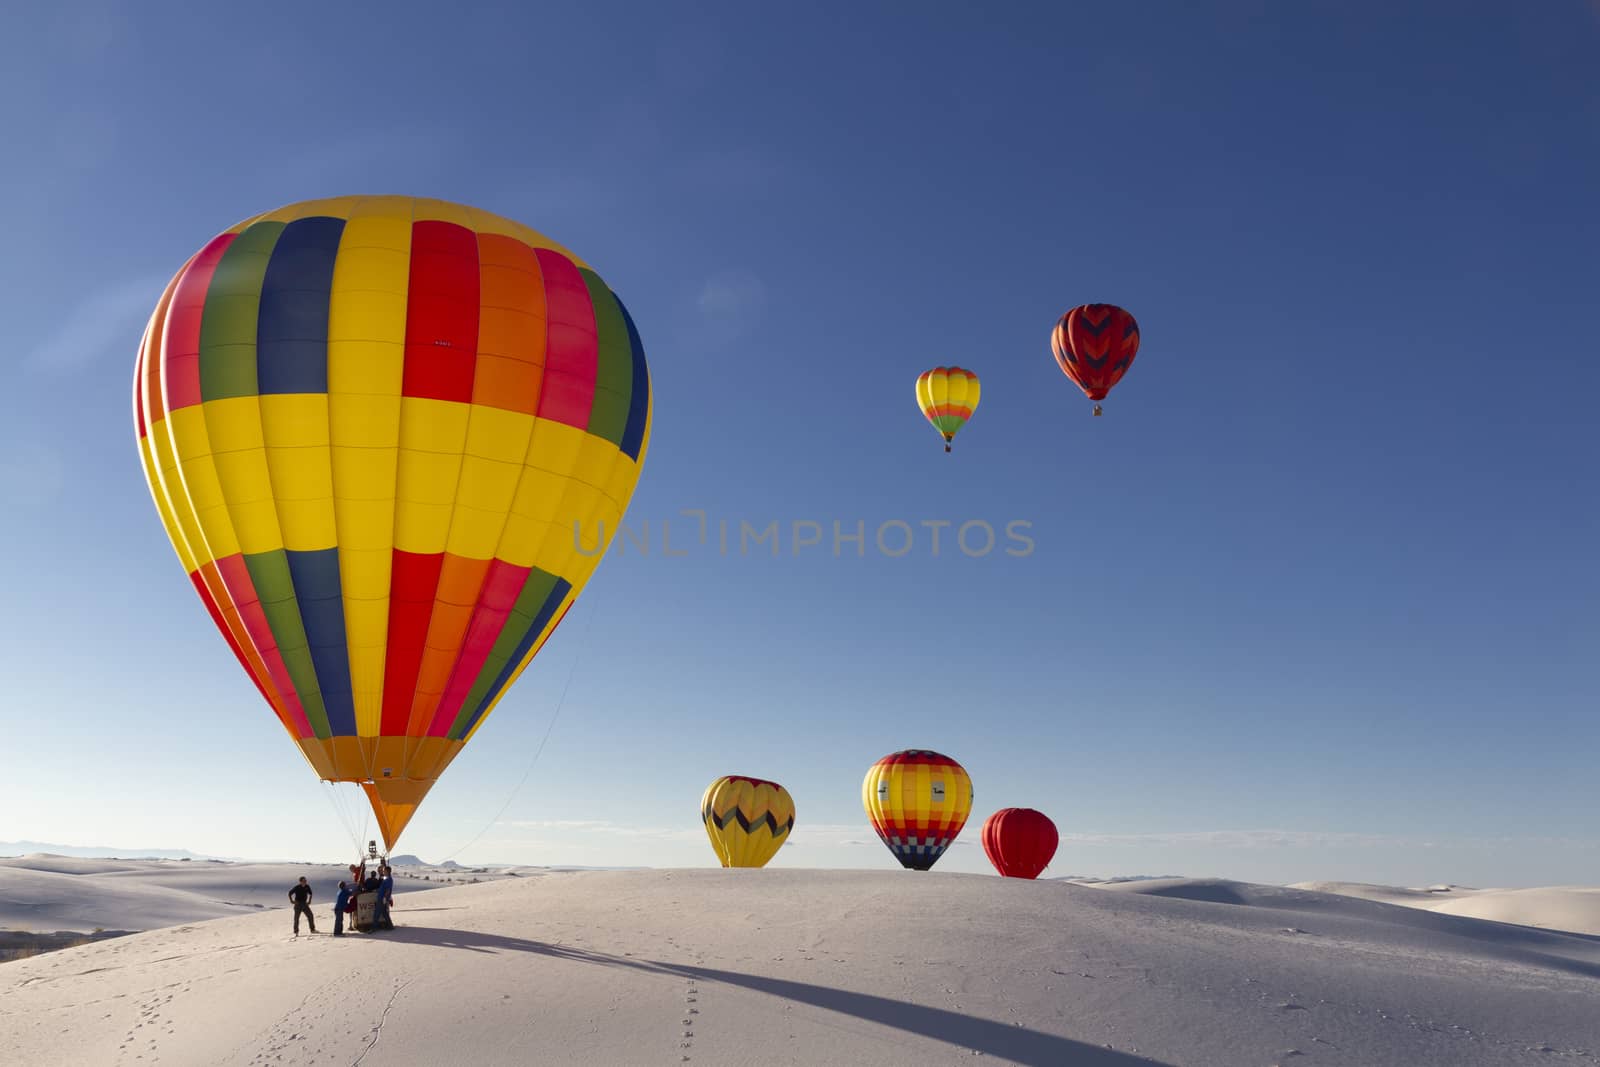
[947, 396]
[747, 819]
[918, 801]
[390, 439]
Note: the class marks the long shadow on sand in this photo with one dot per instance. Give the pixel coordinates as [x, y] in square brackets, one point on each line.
[1030, 1047]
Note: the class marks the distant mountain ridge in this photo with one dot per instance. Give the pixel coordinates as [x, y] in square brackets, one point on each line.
[99, 852]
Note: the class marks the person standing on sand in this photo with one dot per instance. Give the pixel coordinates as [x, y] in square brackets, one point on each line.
[338, 909]
[301, 895]
[385, 898]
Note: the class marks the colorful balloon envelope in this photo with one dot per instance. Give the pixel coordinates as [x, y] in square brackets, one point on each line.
[1020, 842]
[390, 439]
[1094, 345]
[917, 801]
[947, 396]
[747, 819]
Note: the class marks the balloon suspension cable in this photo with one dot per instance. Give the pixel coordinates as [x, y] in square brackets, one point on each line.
[343, 812]
[572, 668]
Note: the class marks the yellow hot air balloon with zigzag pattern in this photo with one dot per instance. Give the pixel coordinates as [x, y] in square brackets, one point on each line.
[747, 819]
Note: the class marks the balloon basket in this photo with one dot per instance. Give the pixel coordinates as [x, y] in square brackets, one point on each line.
[366, 906]
[1097, 411]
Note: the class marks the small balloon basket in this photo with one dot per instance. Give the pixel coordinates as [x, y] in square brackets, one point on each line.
[366, 910]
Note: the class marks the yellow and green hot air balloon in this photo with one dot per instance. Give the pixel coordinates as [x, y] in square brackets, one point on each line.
[747, 819]
[390, 439]
[947, 396]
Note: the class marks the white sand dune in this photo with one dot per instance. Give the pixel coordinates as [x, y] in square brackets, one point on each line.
[786, 966]
[1574, 909]
[49, 893]
[1388, 894]
[53, 864]
[1571, 908]
[45, 901]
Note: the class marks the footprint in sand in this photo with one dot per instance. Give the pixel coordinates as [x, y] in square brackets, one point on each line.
[690, 997]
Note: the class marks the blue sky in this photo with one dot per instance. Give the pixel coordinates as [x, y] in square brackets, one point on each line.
[1315, 598]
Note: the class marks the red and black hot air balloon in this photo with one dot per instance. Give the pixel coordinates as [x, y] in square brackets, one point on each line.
[1094, 345]
[1020, 842]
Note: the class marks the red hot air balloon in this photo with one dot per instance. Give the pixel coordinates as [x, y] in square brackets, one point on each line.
[1020, 842]
[1094, 345]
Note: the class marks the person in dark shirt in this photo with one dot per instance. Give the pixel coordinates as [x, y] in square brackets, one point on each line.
[301, 896]
[338, 909]
[380, 915]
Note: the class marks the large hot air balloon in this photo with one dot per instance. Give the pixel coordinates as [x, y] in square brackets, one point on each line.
[1094, 345]
[389, 439]
[1020, 842]
[947, 396]
[747, 819]
[918, 801]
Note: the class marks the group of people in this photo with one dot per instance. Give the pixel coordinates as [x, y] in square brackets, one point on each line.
[379, 882]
